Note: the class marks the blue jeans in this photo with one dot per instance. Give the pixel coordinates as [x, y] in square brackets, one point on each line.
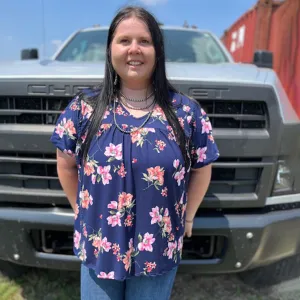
[136, 288]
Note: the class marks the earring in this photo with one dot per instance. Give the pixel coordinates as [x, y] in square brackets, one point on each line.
[153, 85]
[116, 80]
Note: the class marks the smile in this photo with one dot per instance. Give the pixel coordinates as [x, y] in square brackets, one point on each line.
[135, 63]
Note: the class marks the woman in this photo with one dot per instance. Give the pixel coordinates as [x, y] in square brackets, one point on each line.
[128, 154]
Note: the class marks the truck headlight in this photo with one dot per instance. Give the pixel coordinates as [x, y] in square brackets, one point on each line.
[284, 179]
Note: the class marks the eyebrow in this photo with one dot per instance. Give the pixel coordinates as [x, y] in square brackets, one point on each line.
[127, 36]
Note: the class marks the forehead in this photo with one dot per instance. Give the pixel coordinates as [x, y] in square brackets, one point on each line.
[132, 26]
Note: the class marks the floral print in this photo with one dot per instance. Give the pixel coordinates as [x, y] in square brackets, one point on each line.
[162, 218]
[201, 154]
[85, 198]
[100, 244]
[66, 127]
[159, 114]
[159, 145]
[77, 238]
[110, 275]
[82, 252]
[120, 209]
[102, 173]
[180, 208]
[120, 170]
[146, 242]
[113, 152]
[149, 266]
[131, 202]
[179, 174]
[139, 136]
[154, 177]
[132, 252]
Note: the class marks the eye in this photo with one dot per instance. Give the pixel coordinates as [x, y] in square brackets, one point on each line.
[124, 41]
[145, 41]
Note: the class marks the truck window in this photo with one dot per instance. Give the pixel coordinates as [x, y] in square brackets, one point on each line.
[192, 47]
[180, 46]
[86, 46]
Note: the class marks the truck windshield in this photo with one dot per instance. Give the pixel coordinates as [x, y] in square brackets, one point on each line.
[180, 46]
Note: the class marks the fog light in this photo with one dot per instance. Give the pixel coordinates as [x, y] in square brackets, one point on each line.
[284, 179]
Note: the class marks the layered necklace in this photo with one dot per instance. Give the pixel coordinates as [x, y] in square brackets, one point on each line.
[134, 108]
[136, 100]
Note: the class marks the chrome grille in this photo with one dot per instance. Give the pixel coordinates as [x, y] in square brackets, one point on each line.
[31, 110]
[239, 114]
[33, 171]
[234, 176]
[36, 174]
[45, 110]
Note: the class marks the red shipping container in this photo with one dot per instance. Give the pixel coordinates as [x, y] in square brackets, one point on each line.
[274, 26]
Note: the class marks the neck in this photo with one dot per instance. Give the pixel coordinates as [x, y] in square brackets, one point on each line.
[136, 92]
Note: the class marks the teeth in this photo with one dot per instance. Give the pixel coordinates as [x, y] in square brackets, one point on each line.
[134, 63]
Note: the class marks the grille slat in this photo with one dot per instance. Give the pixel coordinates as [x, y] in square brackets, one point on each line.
[235, 114]
[229, 175]
[27, 160]
[31, 110]
[26, 177]
[222, 113]
[234, 183]
[238, 117]
[17, 112]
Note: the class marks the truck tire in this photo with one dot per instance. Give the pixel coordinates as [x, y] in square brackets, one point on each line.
[275, 273]
[12, 270]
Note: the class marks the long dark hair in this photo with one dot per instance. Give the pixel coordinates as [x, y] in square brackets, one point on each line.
[161, 85]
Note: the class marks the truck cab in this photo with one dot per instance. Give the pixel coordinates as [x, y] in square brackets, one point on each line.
[249, 219]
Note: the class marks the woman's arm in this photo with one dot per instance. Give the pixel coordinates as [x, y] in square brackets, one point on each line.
[68, 176]
[198, 185]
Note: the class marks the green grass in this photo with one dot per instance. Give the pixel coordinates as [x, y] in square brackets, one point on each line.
[61, 285]
[9, 290]
[51, 285]
[42, 285]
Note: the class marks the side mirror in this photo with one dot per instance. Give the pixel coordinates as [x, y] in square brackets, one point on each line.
[263, 59]
[29, 54]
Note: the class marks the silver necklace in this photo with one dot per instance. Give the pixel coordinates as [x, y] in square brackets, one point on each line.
[129, 131]
[135, 100]
[137, 108]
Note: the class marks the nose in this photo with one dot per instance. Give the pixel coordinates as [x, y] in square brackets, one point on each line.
[134, 48]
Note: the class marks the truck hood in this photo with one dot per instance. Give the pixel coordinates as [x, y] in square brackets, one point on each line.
[233, 72]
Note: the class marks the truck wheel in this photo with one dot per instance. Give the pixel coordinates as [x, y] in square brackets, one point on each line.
[12, 270]
[275, 273]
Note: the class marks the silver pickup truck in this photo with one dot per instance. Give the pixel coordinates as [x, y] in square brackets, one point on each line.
[250, 219]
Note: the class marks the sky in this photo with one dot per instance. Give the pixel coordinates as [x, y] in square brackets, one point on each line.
[44, 24]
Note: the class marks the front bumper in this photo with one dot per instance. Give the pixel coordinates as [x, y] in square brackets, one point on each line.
[252, 240]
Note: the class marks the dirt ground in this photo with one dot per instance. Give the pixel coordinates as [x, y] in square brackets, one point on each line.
[61, 285]
[229, 287]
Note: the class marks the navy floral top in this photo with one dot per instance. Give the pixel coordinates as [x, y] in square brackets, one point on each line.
[132, 190]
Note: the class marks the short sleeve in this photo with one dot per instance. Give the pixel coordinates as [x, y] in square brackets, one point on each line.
[203, 148]
[65, 133]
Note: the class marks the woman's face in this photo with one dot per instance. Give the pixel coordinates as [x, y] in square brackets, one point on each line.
[133, 53]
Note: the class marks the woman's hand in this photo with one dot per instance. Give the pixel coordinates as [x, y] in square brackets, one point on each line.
[188, 228]
[198, 185]
[68, 176]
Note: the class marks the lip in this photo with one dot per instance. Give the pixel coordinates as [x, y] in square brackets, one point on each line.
[134, 61]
